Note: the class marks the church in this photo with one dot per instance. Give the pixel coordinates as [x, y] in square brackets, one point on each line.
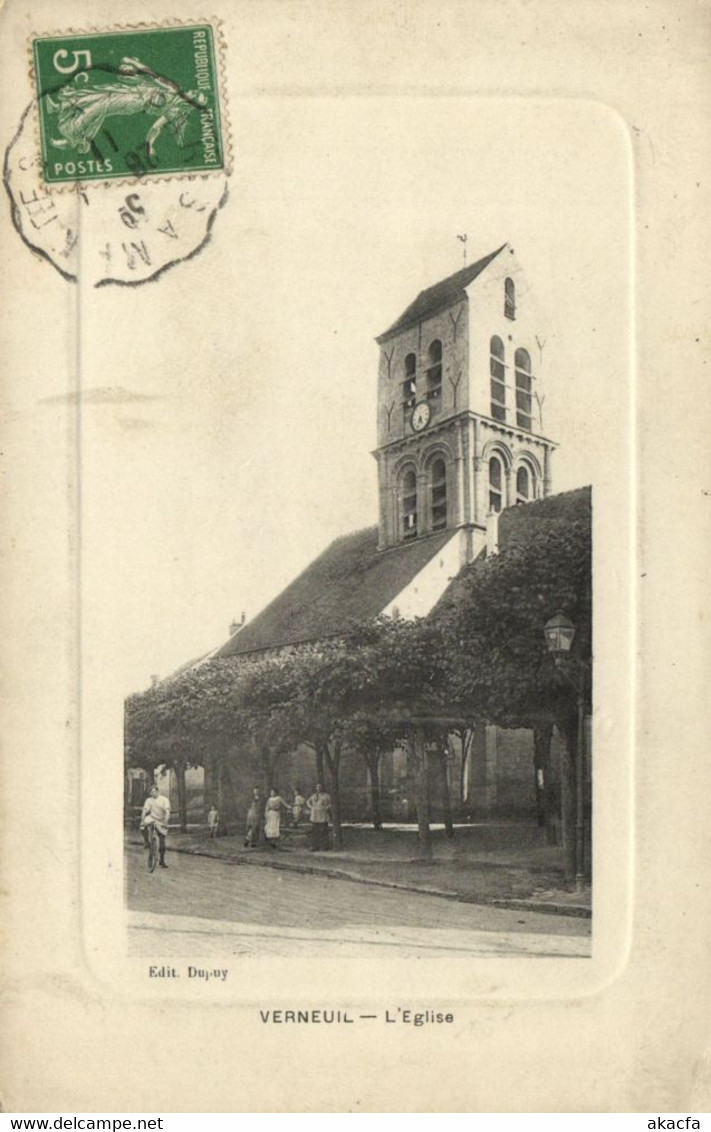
[464, 471]
[459, 444]
[459, 440]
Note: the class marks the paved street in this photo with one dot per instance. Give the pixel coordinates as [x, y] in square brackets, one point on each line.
[208, 907]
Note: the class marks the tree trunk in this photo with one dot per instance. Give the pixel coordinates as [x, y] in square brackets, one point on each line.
[227, 800]
[179, 768]
[269, 762]
[551, 800]
[267, 771]
[465, 735]
[545, 809]
[237, 804]
[444, 786]
[373, 761]
[333, 759]
[222, 804]
[209, 782]
[320, 768]
[567, 797]
[419, 749]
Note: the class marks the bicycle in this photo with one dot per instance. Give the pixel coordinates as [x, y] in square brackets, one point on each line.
[153, 846]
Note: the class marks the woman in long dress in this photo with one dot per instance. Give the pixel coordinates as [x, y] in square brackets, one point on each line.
[254, 821]
[272, 817]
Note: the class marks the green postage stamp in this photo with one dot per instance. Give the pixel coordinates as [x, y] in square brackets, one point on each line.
[129, 103]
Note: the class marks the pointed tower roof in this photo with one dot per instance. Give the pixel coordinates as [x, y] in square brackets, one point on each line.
[440, 296]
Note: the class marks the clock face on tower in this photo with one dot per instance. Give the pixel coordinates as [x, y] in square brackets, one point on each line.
[420, 416]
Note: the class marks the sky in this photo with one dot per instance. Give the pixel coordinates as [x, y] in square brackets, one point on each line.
[236, 442]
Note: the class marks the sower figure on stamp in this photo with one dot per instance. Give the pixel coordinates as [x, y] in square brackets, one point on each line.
[156, 812]
[319, 811]
[82, 108]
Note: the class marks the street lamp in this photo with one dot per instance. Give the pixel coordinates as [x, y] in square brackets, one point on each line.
[559, 633]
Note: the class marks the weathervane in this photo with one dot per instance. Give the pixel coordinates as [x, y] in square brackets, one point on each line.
[464, 241]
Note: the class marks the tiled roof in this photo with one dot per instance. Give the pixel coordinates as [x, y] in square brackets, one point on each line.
[515, 522]
[517, 525]
[440, 296]
[351, 580]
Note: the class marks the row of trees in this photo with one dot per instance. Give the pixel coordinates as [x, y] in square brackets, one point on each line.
[378, 685]
[481, 657]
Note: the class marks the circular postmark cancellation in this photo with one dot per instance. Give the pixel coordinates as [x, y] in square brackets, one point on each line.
[130, 103]
[125, 234]
[119, 166]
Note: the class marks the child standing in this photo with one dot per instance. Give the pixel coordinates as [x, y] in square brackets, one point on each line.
[213, 820]
[298, 807]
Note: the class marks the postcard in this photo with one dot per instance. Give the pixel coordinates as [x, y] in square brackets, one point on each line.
[353, 603]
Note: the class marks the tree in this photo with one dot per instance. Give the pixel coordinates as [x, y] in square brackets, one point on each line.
[479, 658]
[324, 687]
[401, 689]
[308, 696]
[370, 740]
[441, 753]
[268, 697]
[190, 720]
[492, 622]
[378, 682]
[465, 734]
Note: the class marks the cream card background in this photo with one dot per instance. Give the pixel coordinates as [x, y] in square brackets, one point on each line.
[358, 101]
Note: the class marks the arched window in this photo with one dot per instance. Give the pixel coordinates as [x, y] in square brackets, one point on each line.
[496, 484]
[434, 371]
[409, 504]
[438, 489]
[510, 298]
[498, 379]
[524, 379]
[523, 485]
[409, 385]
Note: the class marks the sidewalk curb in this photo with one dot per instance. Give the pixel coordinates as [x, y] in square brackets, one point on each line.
[547, 907]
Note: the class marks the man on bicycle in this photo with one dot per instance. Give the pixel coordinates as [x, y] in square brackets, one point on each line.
[156, 812]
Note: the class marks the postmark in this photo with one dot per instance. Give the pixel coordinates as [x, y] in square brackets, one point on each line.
[126, 234]
[137, 103]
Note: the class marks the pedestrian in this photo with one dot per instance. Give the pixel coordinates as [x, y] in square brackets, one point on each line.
[319, 811]
[272, 817]
[254, 820]
[213, 820]
[298, 807]
[156, 812]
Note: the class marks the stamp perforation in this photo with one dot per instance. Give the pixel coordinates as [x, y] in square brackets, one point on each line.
[216, 26]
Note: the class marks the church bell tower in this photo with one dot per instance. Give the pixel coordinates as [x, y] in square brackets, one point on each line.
[459, 396]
